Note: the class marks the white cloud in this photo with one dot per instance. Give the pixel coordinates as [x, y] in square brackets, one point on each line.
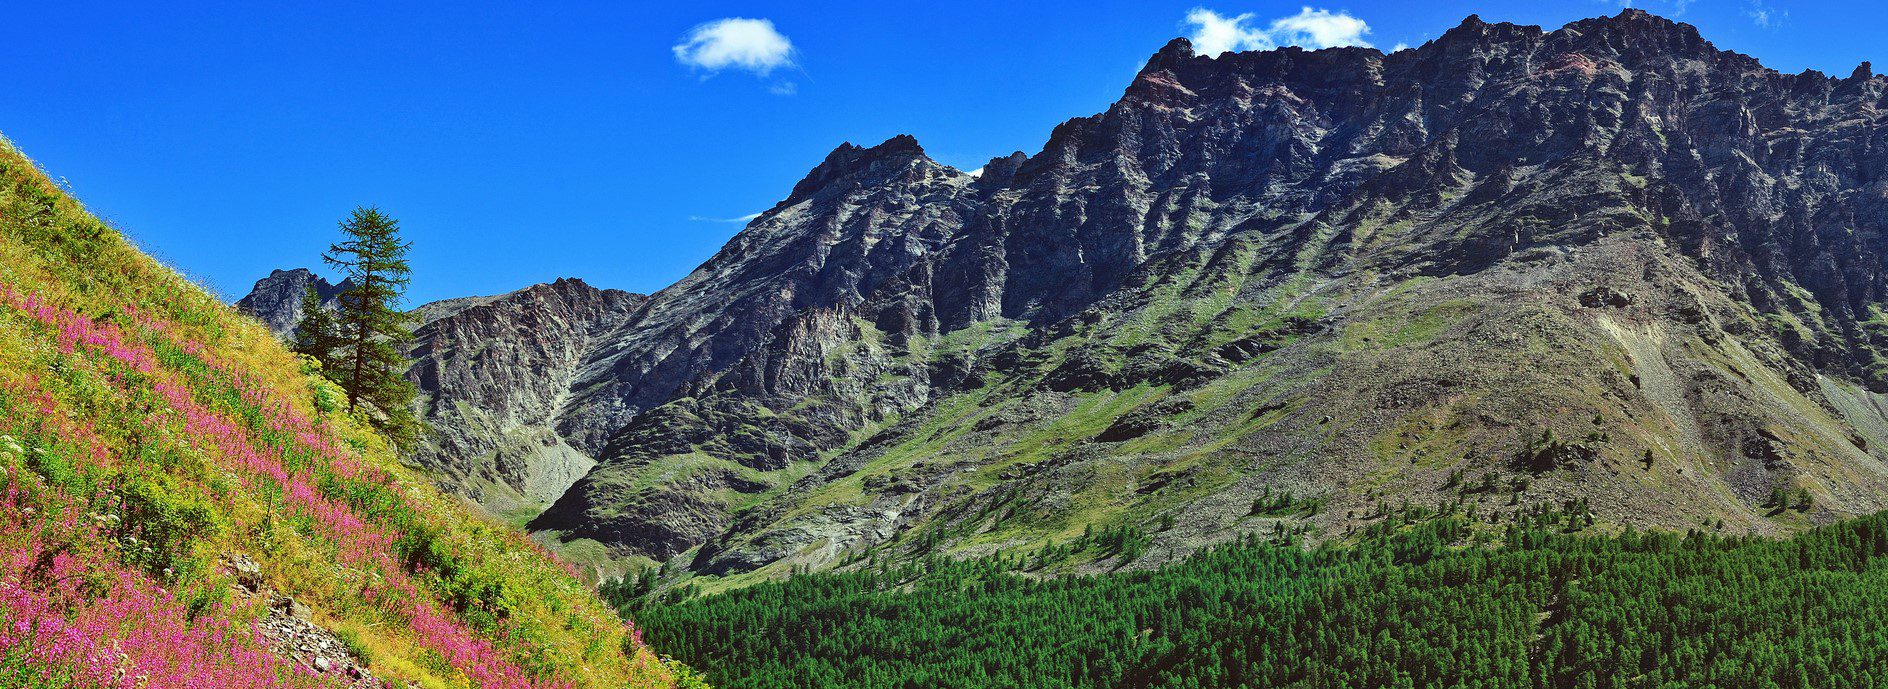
[1400, 47]
[1320, 29]
[975, 173]
[1766, 16]
[784, 88]
[743, 219]
[1214, 33]
[735, 43]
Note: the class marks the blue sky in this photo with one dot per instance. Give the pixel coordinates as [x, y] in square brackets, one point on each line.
[520, 143]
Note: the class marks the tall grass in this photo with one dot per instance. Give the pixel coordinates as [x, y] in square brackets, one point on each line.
[149, 436]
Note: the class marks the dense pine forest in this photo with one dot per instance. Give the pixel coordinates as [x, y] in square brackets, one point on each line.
[1409, 608]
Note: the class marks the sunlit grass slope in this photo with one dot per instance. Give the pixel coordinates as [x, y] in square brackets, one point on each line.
[150, 437]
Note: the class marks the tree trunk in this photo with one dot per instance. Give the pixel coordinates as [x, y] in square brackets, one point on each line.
[360, 341]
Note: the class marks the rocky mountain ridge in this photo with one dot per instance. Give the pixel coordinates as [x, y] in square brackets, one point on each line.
[1606, 265]
[494, 374]
[495, 378]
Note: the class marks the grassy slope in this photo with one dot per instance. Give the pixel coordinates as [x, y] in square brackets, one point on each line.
[149, 435]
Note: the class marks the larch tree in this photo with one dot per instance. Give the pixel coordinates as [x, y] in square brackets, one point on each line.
[369, 328]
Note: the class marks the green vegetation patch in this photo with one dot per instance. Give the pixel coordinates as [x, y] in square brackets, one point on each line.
[1420, 607]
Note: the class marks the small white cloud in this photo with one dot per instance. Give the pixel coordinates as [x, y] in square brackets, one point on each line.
[1214, 33]
[1320, 29]
[1765, 16]
[975, 173]
[743, 219]
[1400, 47]
[784, 88]
[735, 43]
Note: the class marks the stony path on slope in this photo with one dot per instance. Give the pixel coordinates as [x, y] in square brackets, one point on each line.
[290, 632]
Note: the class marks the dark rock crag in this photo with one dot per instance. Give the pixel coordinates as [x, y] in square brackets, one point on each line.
[277, 299]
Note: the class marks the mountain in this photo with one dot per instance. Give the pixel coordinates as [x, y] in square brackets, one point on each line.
[277, 299]
[1607, 265]
[1337, 274]
[494, 375]
[182, 504]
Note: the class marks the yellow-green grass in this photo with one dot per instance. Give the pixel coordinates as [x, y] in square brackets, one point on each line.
[487, 577]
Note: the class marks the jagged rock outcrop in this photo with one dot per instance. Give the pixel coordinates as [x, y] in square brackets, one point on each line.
[494, 376]
[859, 219]
[277, 299]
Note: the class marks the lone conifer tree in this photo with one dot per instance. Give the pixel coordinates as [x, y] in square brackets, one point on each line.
[369, 327]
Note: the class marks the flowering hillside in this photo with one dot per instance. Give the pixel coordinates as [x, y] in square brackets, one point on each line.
[176, 490]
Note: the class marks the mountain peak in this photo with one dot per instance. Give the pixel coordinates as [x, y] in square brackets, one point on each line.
[1631, 17]
[276, 300]
[1001, 169]
[849, 159]
[1176, 51]
[900, 143]
[1474, 29]
[1642, 31]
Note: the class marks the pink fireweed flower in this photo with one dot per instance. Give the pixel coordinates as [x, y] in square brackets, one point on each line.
[89, 622]
[268, 445]
[481, 661]
[74, 330]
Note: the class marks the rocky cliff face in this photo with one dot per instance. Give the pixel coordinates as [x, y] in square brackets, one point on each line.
[858, 220]
[1607, 263]
[495, 376]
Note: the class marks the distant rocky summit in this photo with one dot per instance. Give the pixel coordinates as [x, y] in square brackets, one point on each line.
[1607, 264]
[277, 299]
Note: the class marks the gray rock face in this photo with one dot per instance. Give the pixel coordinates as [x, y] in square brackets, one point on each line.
[495, 377]
[277, 299]
[779, 299]
[858, 220]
